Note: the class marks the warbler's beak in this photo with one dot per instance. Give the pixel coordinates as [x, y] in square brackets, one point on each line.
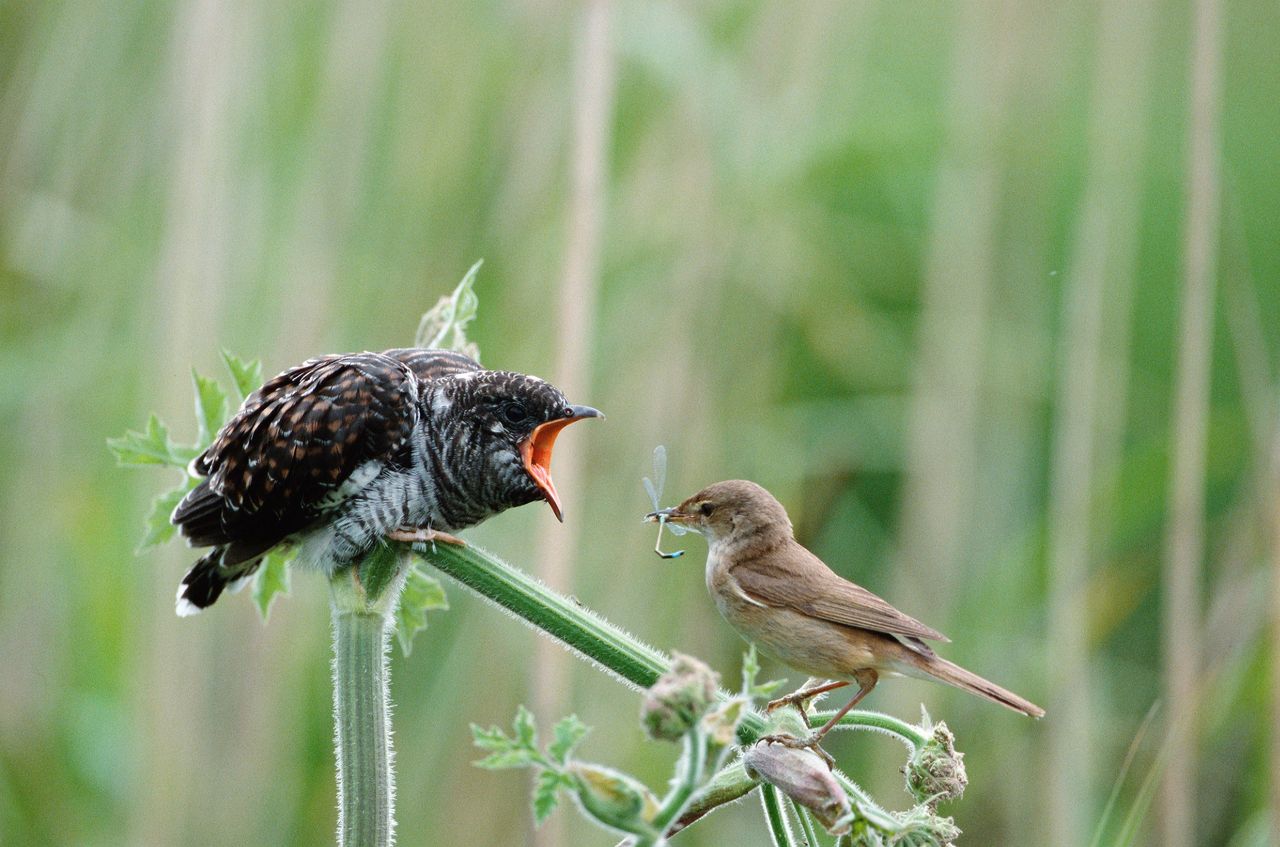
[671, 515]
[536, 452]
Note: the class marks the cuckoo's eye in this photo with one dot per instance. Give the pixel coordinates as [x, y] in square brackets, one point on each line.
[706, 509]
[515, 413]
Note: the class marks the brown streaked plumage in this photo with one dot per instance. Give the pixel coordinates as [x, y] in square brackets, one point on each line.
[784, 599]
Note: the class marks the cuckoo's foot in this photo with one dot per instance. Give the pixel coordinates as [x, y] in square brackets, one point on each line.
[418, 535]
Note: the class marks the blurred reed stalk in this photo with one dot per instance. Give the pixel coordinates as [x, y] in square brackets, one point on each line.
[1245, 323]
[941, 441]
[1274, 513]
[190, 279]
[576, 306]
[1184, 531]
[1102, 262]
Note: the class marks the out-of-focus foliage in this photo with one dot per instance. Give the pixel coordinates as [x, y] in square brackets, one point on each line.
[811, 207]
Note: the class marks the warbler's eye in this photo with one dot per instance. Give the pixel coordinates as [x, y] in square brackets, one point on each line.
[706, 509]
[515, 413]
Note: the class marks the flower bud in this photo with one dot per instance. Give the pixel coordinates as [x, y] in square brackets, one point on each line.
[936, 772]
[805, 778]
[678, 699]
[612, 798]
[920, 825]
[721, 722]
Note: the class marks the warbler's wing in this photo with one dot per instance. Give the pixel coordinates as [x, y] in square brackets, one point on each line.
[795, 578]
[299, 445]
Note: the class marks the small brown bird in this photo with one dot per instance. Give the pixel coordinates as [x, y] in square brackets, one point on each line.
[787, 602]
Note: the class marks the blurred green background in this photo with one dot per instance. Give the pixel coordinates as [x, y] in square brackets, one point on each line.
[916, 267]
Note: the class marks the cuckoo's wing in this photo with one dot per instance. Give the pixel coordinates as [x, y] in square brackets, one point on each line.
[429, 364]
[290, 452]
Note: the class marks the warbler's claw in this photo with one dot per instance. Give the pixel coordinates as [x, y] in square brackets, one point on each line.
[810, 743]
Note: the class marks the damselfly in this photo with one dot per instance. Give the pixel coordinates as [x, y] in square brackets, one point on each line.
[654, 488]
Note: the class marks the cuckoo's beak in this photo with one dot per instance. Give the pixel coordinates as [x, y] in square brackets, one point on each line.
[536, 452]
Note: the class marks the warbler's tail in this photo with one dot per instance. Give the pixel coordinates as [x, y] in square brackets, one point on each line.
[952, 674]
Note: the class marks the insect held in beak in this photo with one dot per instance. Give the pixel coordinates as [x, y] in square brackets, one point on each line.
[654, 488]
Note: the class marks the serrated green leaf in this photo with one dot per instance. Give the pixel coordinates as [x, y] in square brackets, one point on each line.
[750, 667]
[246, 376]
[515, 758]
[764, 689]
[421, 593]
[750, 670]
[272, 579]
[153, 447]
[546, 794]
[159, 529]
[568, 732]
[444, 326]
[211, 408]
[492, 738]
[526, 729]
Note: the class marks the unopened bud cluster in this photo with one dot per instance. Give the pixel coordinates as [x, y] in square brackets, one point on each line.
[935, 773]
[677, 701]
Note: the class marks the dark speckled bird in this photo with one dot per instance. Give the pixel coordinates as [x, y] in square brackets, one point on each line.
[340, 452]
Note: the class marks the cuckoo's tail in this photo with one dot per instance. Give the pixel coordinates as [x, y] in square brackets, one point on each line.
[208, 578]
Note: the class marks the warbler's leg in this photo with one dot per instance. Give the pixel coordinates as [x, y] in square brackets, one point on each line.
[867, 680]
[804, 693]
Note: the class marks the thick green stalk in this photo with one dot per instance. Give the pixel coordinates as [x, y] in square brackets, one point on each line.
[776, 816]
[806, 825]
[907, 733]
[615, 651]
[362, 719]
[691, 769]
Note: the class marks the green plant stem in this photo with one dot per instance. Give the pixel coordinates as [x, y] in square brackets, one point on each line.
[865, 807]
[691, 768]
[615, 651]
[909, 734]
[362, 721]
[806, 824]
[777, 818]
[729, 784]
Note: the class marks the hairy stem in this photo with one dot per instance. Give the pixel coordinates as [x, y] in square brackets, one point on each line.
[806, 825]
[909, 734]
[691, 770]
[615, 651]
[777, 818]
[362, 720]
[729, 784]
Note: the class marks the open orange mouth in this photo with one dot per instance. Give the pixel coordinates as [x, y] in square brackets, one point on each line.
[536, 453]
